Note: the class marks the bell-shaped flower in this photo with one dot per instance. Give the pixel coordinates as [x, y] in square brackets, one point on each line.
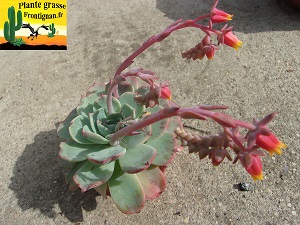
[262, 137]
[231, 40]
[165, 93]
[253, 165]
[220, 16]
[210, 51]
[270, 143]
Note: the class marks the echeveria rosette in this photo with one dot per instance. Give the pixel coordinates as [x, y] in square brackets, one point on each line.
[121, 136]
[129, 172]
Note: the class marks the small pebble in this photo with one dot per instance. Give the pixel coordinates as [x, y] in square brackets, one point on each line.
[186, 220]
[289, 205]
[244, 186]
[294, 213]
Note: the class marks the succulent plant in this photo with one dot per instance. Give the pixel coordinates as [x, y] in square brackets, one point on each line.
[133, 165]
[122, 134]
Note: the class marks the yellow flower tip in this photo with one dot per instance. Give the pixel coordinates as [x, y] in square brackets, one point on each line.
[282, 145]
[237, 45]
[229, 17]
[278, 148]
[257, 177]
[278, 151]
[170, 97]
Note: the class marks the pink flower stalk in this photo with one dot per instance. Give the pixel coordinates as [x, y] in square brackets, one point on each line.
[220, 16]
[270, 143]
[205, 47]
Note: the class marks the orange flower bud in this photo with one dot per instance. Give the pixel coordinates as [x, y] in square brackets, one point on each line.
[210, 52]
[166, 93]
[220, 16]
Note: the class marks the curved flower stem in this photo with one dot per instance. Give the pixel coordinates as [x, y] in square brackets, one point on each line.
[248, 126]
[235, 139]
[159, 37]
[153, 118]
[152, 40]
[185, 113]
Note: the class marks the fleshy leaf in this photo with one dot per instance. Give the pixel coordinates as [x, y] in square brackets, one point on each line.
[92, 122]
[136, 140]
[134, 82]
[164, 146]
[137, 159]
[97, 118]
[127, 111]
[86, 104]
[153, 182]
[174, 122]
[99, 114]
[158, 128]
[126, 191]
[75, 129]
[75, 168]
[125, 86]
[97, 88]
[95, 138]
[63, 127]
[107, 155]
[91, 175]
[64, 163]
[115, 116]
[72, 185]
[142, 90]
[102, 129]
[102, 189]
[75, 152]
[128, 98]
[102, 103]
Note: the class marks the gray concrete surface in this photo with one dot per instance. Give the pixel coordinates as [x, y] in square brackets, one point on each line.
[39, 88]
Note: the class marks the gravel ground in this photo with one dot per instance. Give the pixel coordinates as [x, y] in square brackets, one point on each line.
[39, 88]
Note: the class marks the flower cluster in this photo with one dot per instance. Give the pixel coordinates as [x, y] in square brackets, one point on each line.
[216, 146]
[224, 36]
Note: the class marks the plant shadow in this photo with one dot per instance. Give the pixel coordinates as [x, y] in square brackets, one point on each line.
[38, 181]
[251, 16]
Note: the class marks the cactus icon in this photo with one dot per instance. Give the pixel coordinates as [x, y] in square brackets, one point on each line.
[9, 26]
[53, 30]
